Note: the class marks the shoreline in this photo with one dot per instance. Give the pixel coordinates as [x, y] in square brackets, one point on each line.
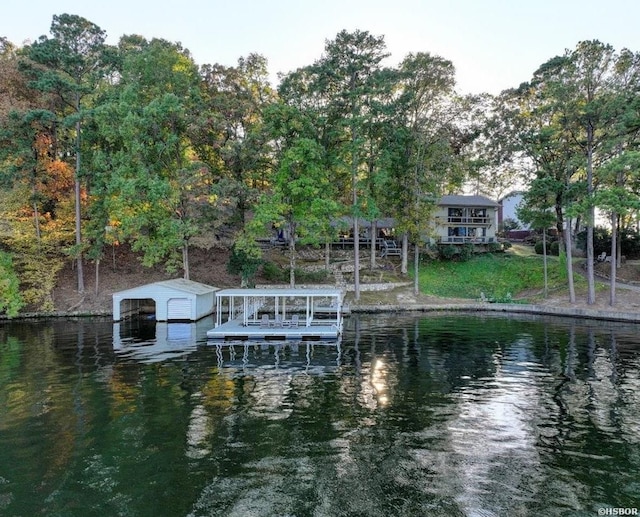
[443, 306]
[511, 308]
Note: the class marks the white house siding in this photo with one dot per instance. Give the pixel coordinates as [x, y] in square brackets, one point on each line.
[465, 219]
[508, 205]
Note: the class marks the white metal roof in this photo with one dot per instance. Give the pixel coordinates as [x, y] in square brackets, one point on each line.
[177, 284]
[188, 285]
[280, 291]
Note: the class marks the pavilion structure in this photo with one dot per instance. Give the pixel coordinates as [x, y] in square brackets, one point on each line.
[278, 314]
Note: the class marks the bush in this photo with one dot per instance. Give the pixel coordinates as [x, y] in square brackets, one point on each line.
[240, 263]
[553, 248]
[494, 247]
[466, 252]
[37, 267]
[274, 273]
[629, 242]
[10, 298]
[312, 277]
[448, 252]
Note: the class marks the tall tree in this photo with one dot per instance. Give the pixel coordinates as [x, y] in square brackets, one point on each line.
[618, 176]
[299, 200]
[227, 133]
[346, 78]
[70, 65]
[540, 140]
[424, 144]
[152, 187]
[587, 79]
[568, 124]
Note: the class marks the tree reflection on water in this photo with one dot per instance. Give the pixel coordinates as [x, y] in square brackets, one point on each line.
[439, 414]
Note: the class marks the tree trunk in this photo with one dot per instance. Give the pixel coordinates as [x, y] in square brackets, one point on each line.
[591, 289]
[327, 255]
[618, 254]
[185, 260]
[97, 280]
[78, 214]
[354, 186]
[36, 220]
[292, 258]
[356, 252]
[372, 237]
[404, 264]
[544, 262]
[416, 269]
[568, 244]
[614, 258]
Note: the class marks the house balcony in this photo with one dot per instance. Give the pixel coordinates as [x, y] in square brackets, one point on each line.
[477, 221]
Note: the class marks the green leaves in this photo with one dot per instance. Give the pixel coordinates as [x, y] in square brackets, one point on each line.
[10, 298]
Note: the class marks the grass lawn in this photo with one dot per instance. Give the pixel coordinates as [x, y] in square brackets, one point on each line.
[515, 273]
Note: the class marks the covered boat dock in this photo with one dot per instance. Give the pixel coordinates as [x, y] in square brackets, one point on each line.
[278, 314]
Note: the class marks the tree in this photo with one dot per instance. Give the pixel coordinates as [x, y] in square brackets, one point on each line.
[569, 122]
[618, 176]
[300, 199]
[537, 211]
[339, 89]
[541, 137]
[618, 202]
[70, 65]
[14, 93]
[151, 186]
[423, 145]
[498, 163]
[588, 76]
[227, 132]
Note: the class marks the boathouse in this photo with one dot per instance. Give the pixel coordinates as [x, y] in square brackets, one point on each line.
[169, 300]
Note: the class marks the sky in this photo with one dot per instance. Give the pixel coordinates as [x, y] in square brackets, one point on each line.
[493, 44]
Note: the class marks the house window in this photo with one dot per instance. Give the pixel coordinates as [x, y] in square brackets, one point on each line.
[455, 215]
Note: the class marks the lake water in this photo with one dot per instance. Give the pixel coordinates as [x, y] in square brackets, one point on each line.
[431, 414]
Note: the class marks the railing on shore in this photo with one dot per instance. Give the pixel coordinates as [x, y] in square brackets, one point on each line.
[349, 242]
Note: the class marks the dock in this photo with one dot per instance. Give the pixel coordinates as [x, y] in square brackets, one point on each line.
[277, 314]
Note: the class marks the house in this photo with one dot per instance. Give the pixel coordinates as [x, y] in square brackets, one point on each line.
[507, 210]
[169, 300]
[465, 219]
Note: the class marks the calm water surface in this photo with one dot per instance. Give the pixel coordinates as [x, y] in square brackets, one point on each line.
[444, 415]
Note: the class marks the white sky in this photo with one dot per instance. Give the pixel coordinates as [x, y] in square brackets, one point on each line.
[494, 44]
